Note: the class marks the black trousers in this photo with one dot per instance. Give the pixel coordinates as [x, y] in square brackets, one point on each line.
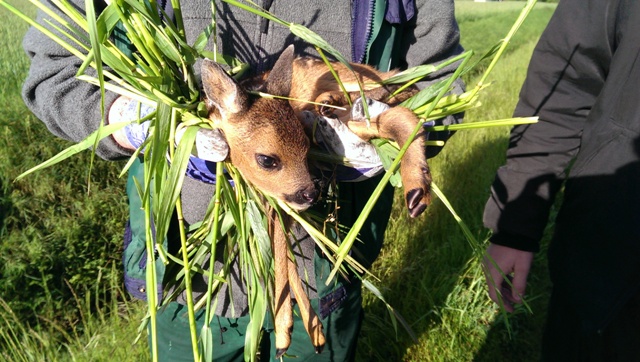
[568, 338]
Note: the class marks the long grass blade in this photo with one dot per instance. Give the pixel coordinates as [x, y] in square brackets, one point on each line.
[75, 149]
[509, 122]
[94, 36]
[207, 337]
[505, 42]
[173, 184]
[395, 316]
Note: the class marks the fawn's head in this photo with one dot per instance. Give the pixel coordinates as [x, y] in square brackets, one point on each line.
[267, 142]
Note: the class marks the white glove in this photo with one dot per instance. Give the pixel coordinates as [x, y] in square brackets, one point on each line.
[362, 160]
[210, 144]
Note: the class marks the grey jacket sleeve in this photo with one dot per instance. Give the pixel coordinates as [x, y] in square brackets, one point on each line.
[436, 36]
[566, 73]
[70, 108]
[433, 37]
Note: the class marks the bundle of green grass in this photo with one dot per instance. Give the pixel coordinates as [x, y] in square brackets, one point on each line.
[160, 73]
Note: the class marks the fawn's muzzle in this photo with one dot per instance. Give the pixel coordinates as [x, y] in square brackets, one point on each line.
[303, 198]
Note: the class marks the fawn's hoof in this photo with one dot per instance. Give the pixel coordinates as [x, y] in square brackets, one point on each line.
[327, 111]
[280, 352]
[417, 201]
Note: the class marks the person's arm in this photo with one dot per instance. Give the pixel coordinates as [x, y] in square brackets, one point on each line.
[565, 76]
[433, 36]
[69, 107]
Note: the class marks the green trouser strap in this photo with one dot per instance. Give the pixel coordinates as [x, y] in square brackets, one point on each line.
[135, 256]
[385, 40]
[135, 253]
[121, 41]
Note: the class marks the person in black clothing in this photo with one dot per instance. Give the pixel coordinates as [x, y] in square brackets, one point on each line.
[582, 83]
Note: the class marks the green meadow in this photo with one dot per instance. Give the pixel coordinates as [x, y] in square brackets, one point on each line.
[61, 290]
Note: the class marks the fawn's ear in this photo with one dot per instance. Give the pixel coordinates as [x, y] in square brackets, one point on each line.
[279, 80]
[222, 92]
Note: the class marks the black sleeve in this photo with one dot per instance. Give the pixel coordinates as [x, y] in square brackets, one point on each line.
[566, 73]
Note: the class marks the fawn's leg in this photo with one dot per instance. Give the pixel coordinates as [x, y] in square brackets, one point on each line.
[283, 309]
[382, 94]
[398, 124]
[309, 317]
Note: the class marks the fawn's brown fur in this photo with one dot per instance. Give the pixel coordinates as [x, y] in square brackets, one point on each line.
[268, 145]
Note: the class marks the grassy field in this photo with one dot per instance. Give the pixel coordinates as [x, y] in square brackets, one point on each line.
[60, 284]
[428, 269]
[60, 245]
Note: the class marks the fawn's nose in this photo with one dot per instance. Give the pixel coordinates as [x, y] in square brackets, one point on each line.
[303, 198]
[308, 195]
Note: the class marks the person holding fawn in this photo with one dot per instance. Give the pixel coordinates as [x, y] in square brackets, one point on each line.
[389, 35]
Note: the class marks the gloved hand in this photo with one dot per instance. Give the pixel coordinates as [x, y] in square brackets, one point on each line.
[210, 145]
[362, 160]
[131, 110]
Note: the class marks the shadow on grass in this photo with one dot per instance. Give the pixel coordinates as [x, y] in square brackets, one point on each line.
[592, 258]
[426, 259]
[518, 336]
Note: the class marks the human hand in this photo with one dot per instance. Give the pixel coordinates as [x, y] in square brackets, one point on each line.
[210, 145]
[125, 109]
[361, 158]
[515, 264]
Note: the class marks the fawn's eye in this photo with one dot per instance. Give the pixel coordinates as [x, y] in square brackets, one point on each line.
[267, 162]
